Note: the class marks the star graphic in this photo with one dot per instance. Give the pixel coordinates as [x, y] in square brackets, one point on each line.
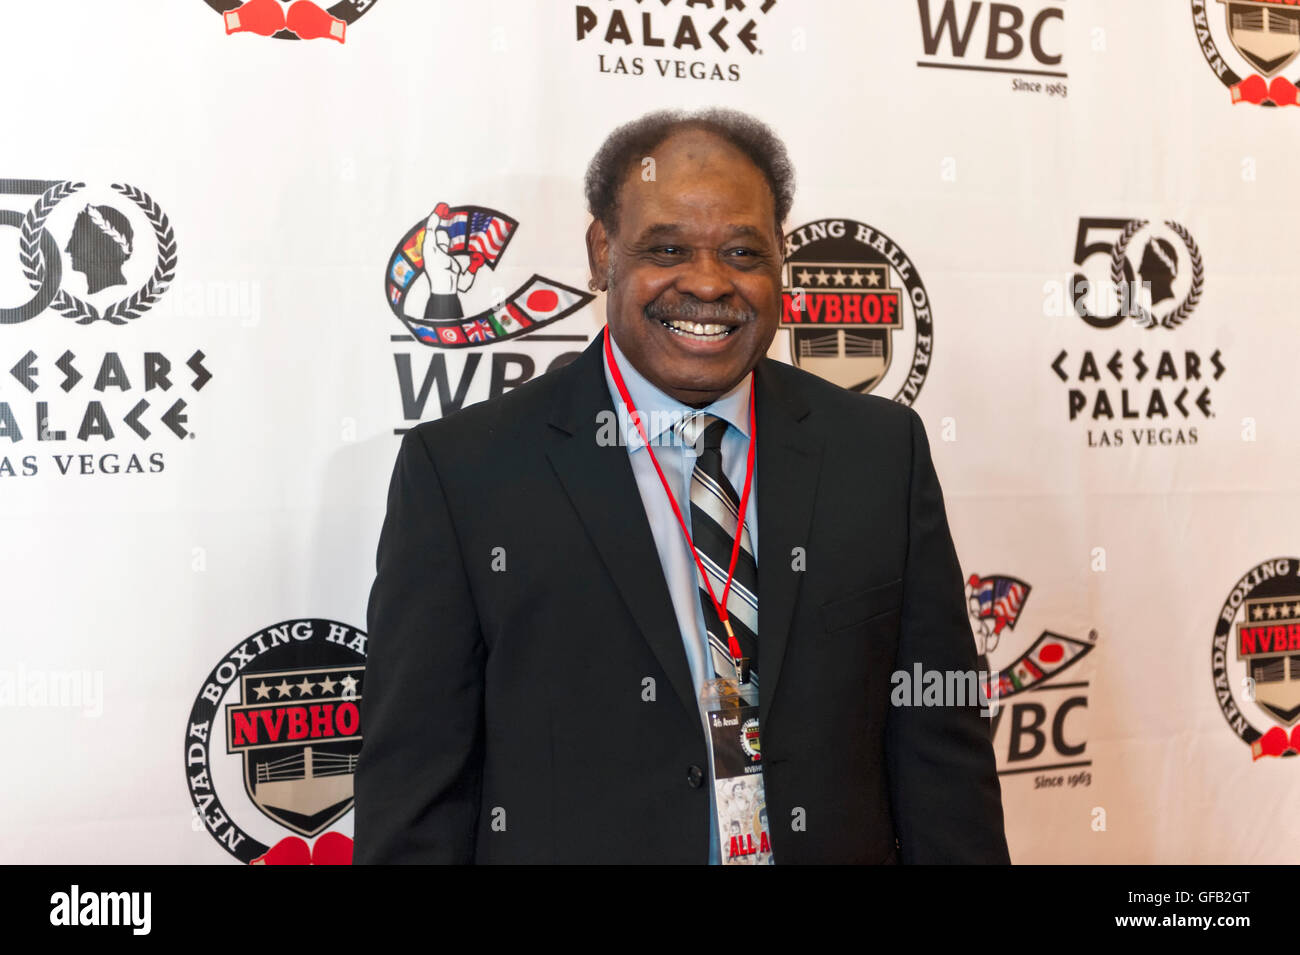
[263, 691]
[284, 688]
[1257, 612]
[873, 278]
[838, 276]
[1272, 611]
[349, 687]
[327, 685]
[822, 277]
[1295, 609]
[855, 277]
[305, 687]
[804, 277]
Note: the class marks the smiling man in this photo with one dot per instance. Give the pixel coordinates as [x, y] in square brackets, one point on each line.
[573, 642]
[689, 248]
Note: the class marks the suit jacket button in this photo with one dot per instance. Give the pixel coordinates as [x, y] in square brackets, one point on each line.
[695, 776]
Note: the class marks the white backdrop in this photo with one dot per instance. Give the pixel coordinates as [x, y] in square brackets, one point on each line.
[288, 171]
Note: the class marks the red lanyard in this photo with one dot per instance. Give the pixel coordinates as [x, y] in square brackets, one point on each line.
[732, 645]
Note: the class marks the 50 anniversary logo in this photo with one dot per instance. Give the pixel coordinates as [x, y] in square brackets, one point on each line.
[97, 254]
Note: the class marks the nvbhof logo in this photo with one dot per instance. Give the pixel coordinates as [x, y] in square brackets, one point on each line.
[443, 257]
[290, 19]
[857, 311]
[1265, 37]
[90, 253]
[272, 743]
[1255, 658]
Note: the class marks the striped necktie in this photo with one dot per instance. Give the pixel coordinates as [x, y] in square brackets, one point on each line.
[714, 509]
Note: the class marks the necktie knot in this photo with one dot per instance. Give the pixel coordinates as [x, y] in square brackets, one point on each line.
[704, 432]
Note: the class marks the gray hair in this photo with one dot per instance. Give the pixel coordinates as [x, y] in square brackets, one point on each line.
[629, 143]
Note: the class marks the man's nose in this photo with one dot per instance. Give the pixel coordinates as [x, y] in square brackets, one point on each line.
[706, 277]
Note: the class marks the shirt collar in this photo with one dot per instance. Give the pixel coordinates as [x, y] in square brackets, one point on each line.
[660, 411]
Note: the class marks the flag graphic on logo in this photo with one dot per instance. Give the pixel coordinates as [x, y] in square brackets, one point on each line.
[478, 331]
[447, 249]
[475, 229]
[995, 603]
[999, 600]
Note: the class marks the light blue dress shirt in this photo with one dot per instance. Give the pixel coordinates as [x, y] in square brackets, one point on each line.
[659, 412]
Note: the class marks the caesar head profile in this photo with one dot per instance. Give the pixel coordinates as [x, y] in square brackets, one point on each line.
[99, 246]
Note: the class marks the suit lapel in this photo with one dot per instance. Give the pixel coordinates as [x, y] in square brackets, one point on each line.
[789, 462]
[603, 490]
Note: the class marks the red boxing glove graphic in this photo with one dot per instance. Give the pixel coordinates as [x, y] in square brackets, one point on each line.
[310, 22]
[1272, 743]
[1252, 89]
[476, 261]
[442, 211]
[255, 16]
[333, 848]
[1282, 91]
[288, 851]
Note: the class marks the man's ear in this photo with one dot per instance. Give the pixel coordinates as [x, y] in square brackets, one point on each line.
[598, 253]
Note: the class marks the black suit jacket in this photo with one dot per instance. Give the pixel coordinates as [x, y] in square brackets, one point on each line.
[519, 610]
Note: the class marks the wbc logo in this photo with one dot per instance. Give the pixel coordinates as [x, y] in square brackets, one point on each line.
[443, 257]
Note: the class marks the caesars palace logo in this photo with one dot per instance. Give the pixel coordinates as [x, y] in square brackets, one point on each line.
[673, 40]
[1263, 37]
[290, 19]
[1033, 732]
[99, 255]
[1255, 658]
[439, 283]
[857, 310]
[1135, 273]
[272, 742]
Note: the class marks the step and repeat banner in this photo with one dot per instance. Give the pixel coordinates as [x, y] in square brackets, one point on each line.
[221, 224]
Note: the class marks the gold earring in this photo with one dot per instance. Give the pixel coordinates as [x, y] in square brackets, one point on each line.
[591, 284]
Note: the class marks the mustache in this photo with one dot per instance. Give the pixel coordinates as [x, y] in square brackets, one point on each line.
[697, 311]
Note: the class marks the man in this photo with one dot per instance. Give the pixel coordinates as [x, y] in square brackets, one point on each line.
[540, 628]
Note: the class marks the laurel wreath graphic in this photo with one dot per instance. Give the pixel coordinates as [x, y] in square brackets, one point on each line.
[1142, 317]
[80, 311]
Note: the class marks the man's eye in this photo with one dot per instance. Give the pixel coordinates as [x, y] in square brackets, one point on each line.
[669, 250]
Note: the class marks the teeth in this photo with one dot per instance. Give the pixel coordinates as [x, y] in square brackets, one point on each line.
[698, 329]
